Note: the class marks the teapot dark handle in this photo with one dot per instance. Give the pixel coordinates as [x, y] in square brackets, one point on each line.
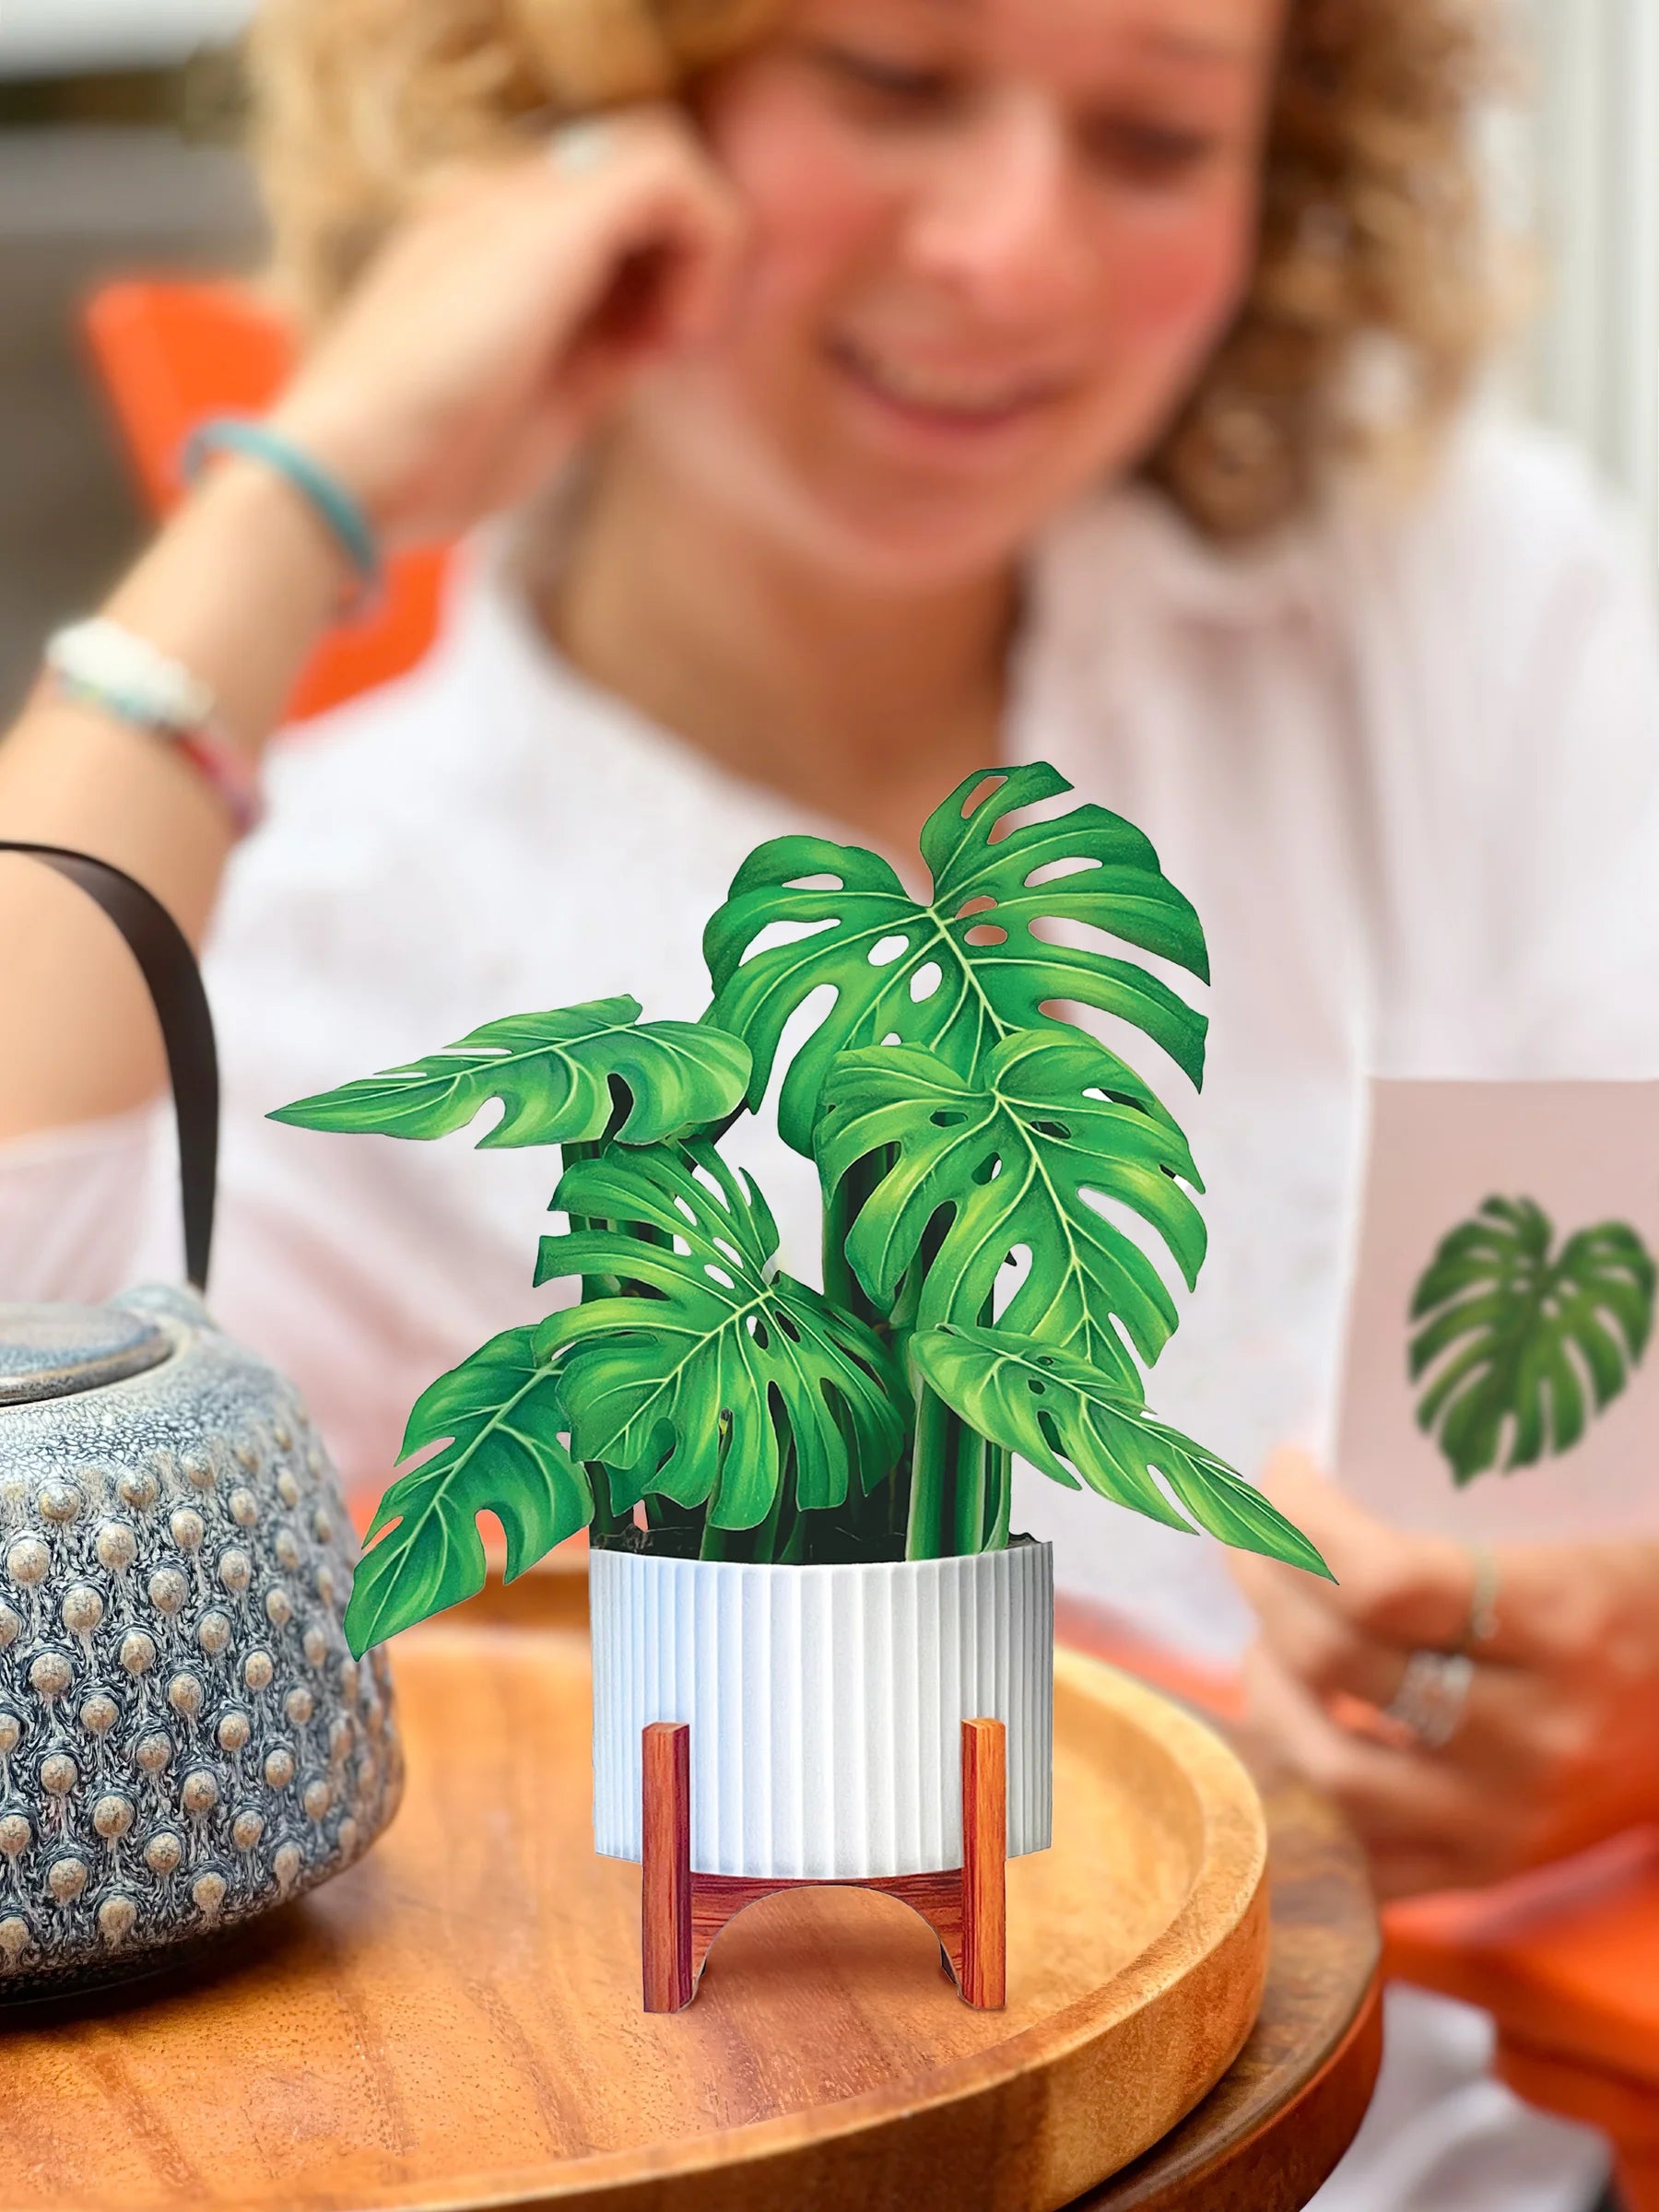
[168, 966]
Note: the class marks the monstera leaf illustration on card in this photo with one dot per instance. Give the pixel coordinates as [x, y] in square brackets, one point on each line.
[1523, 1343]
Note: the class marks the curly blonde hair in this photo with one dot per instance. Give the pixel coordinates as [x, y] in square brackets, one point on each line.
[1371, 250]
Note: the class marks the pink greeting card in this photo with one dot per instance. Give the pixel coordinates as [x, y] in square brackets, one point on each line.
[1499, 1375]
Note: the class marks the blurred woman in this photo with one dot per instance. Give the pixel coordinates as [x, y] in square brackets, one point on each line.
[880, 389]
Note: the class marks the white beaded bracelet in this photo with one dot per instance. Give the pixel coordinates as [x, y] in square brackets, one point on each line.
[98, 663]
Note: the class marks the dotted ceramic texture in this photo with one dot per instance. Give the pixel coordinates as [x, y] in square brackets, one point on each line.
[184, 1738]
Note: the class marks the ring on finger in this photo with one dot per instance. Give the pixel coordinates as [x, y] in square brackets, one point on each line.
[580, 146]
[1433, 1693]
[1483, 1598]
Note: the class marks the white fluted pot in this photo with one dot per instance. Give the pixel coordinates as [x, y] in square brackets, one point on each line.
[825, 1704]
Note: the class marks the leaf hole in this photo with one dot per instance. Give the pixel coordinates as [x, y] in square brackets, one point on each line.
[925, 981]
[1010, 1278]
[774, 935]
[711, 1183]
[718, 1275]
[948, 1117]
[1051, 871]
[986, 933]
[985, 789]
[885, 950]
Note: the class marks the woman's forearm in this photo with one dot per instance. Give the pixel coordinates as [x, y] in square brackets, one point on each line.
[474, 356]
[238, 589]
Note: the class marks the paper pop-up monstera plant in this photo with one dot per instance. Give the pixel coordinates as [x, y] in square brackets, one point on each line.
[799, 1501]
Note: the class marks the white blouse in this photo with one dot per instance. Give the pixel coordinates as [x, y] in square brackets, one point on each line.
[1404, 761]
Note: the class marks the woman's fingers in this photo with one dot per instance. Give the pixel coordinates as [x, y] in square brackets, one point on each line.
[1326, 1650]
[1425, 1822]
[665, 235]
[1355, 1675]
[1509, 1727]
[509, 313]
[1393, 1587]
[1554, 1744]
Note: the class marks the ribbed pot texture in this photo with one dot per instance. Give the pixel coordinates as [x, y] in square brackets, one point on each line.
[825, 1704]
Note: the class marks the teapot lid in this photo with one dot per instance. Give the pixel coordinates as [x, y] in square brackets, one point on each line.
[57, 1351]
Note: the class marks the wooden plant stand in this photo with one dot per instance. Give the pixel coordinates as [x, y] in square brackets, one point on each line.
[682, 1912]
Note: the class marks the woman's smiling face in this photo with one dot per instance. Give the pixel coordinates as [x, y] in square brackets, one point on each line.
[993, 242]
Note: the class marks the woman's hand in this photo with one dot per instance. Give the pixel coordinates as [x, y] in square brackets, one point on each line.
[1558, 1744]
[495, 329]
[504, 319]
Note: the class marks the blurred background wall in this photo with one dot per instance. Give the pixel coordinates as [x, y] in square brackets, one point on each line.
[1588, 137]
[115, 154]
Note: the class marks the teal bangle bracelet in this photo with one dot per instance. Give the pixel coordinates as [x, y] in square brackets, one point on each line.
[328, 497]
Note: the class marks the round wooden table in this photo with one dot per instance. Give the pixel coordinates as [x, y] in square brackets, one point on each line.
[452, 2024]
[1271, 2129]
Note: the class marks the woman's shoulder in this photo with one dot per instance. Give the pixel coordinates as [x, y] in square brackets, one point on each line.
[1506, 514]
[1502, 516]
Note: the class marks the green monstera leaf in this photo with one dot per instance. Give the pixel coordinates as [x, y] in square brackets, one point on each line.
[965, 970]
[711, 1371]
[555, 1074]
[497, 1420]
[1051, 1408]
[1012, 1155]
[1522, 1343]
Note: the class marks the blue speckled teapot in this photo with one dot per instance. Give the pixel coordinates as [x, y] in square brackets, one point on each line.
[185, 1740]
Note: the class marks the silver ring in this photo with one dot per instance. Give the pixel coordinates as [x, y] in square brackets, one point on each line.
[577, 147]
[1432, 1694]
[1483, 1598]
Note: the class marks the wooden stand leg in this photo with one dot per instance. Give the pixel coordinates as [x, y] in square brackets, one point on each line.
[666, 1865]
[984, 1864]
[681, 1913]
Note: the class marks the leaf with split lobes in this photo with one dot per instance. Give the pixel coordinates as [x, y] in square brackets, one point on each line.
[556, 1074]
[497, 1420]
[701, 1380]
[1051, 1409]
[1010, 1157]
[978, 938]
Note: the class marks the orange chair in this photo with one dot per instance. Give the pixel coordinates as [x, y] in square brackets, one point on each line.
[172, 353]
[1568, 1963]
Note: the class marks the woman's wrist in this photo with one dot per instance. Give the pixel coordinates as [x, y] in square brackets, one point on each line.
[237, 493]
[344, 447]
[331, 503]
[240, 589]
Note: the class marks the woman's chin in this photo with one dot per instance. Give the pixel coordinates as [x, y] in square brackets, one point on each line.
[908, 543]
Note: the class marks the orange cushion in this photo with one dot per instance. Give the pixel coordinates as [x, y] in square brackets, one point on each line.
[171, 353]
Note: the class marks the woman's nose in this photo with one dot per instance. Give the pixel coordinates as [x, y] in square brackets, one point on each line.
[996, 216]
